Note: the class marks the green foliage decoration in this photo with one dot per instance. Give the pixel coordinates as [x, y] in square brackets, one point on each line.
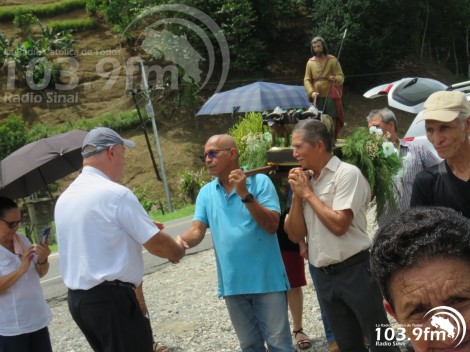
[255, 148]
[378, 161]
[251, 140]
[251, 122]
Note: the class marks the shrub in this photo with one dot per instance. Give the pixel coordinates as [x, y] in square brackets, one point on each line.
[141, 193]
[24, 20]
[191, 182]
[13, 134]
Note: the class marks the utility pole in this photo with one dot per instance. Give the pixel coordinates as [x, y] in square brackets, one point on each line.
[151, 115]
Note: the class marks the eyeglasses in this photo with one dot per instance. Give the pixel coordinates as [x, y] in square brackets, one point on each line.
[212, 154]
[11, 224]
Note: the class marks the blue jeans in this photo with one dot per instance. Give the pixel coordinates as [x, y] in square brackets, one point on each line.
[326, 325]
[260, 317]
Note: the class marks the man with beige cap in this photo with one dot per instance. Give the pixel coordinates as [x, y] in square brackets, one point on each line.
[447, 118]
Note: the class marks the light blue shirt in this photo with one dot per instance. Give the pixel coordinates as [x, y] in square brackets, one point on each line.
[248, 258]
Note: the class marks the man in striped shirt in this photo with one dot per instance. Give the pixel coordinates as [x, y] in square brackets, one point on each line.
[415, 157]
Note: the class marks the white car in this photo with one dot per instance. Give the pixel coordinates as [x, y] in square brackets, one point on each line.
[409, 94]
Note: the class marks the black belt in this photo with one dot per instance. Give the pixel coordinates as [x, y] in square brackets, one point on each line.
[336, 268]
[117, 283]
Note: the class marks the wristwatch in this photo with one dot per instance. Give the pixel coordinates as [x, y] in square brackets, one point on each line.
[248, 199]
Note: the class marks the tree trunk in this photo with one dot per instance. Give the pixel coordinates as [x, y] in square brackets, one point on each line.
[455, 58]
[425, 29]
[468, 53]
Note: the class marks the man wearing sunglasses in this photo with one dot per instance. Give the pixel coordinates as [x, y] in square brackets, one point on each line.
[243, 214]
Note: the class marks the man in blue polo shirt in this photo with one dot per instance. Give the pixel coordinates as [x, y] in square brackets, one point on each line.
[243, 214]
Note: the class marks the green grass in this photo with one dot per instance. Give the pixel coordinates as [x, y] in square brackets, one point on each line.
[42, 10]
[177, 214]
[76, 25]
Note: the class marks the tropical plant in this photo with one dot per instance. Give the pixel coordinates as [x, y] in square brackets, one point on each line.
[255, 148]
[251, 122]
[191, 182]
[141, 192]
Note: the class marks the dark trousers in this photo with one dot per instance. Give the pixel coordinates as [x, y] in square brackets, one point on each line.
[353, 305]
[38, 341]
[111, 319]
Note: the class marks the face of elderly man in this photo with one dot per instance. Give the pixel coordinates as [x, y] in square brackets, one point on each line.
[448, 137]
[416, 290]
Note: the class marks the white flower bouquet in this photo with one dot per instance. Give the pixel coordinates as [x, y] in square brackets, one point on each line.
[378, 160]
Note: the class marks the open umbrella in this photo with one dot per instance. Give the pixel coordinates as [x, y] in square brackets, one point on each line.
[258, 96]
[39, 163]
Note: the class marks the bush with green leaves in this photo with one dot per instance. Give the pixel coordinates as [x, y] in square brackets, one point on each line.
[13, 134]
[24, 20]
[141, 192]
[191, 182]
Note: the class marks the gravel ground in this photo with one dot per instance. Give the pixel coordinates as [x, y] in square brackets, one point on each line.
[185, 312]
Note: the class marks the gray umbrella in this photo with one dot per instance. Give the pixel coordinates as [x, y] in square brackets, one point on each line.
[258, 96]
[39, 163]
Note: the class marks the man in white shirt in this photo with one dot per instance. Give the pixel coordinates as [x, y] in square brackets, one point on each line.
[329, 206]
[101, 228]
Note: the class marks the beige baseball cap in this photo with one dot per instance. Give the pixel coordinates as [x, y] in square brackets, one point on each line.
[445, 106]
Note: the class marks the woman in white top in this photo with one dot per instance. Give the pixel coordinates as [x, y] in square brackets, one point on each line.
[25, 314]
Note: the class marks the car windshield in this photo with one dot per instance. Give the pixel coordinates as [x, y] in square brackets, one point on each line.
[410, 94]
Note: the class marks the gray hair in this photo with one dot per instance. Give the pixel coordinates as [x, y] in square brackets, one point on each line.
[313, 131]
[373, 113]
[386, 114]
[463, 117]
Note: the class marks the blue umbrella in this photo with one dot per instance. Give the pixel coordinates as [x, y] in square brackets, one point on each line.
[257, 96]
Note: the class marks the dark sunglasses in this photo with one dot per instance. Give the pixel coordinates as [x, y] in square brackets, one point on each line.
[11, 224]
[212, 154]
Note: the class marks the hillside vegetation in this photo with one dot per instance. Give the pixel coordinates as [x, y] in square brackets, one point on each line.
[89, 44]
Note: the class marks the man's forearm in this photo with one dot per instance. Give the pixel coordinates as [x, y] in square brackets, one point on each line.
[295, 222]
[336, 221]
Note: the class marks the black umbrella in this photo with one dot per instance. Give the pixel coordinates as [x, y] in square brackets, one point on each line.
[39, 163]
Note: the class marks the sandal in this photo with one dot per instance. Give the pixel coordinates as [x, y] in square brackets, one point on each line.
[303, 343]
[159, 348]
